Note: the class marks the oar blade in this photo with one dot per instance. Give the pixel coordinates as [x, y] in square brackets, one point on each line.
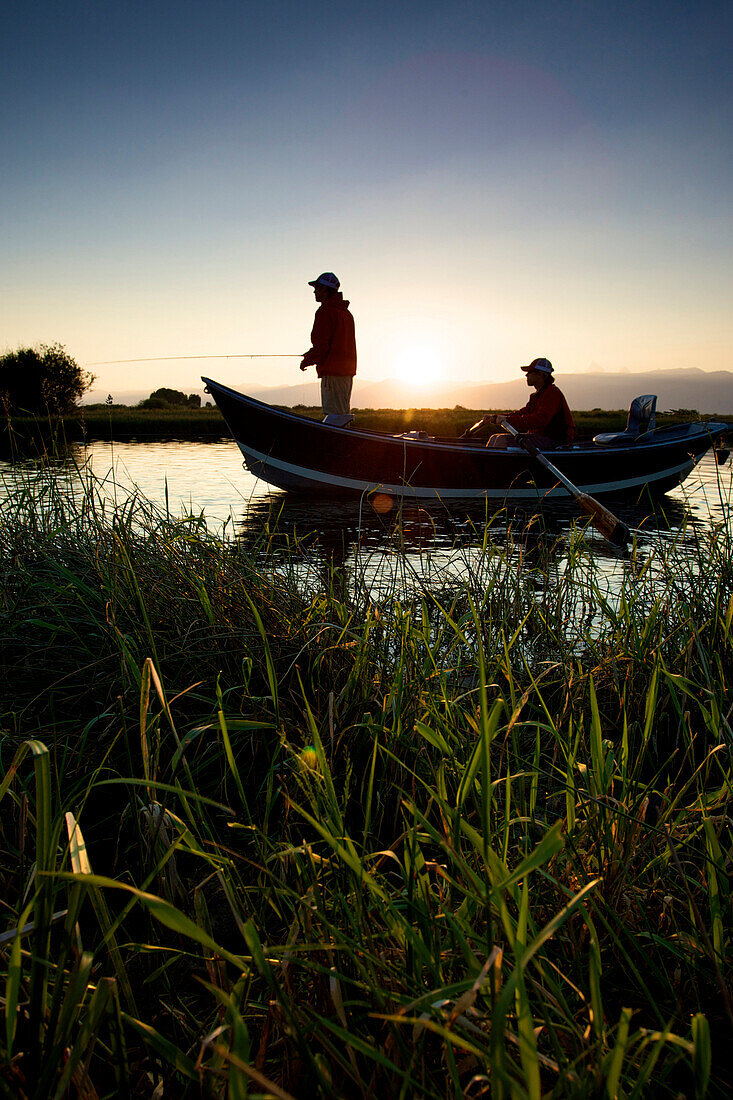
[612, 528]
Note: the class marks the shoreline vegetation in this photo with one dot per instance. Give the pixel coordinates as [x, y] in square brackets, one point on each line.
[123, 422]
[270, 834]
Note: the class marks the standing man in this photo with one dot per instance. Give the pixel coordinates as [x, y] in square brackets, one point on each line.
[546, 419]
[333, 345]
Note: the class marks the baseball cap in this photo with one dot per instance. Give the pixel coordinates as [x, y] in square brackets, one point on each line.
[326, 279]
[544, 366]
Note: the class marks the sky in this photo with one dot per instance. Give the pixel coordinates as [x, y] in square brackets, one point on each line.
[491, 181]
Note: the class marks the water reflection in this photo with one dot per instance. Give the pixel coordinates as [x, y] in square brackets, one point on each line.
[379, 541]
[558, 581]
[419, 526]
[410, 546]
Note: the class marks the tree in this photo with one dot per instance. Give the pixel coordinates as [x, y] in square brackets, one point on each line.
[163, 398]
[42, 380]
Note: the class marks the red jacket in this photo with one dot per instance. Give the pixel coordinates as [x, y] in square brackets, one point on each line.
[333, 339]
[546, 413]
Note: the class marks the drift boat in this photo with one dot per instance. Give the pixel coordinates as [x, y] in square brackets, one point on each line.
[295, 453]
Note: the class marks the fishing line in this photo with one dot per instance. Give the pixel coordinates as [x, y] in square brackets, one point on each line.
[168, 358]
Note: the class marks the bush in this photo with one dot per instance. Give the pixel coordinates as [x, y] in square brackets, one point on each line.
[43, 380]
[154, 403]
[163, 397]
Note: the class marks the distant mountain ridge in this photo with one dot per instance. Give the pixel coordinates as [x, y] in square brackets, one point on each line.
[705, 391]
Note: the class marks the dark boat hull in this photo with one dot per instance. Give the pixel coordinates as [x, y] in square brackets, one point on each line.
[294, 453]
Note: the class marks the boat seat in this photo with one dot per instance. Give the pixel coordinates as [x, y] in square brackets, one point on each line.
[338, 420]
[641, 419]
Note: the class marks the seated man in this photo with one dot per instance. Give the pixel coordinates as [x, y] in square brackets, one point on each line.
[546, 419]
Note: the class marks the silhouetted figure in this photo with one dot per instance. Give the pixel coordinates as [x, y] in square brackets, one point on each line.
[333, 346]
[545, 420]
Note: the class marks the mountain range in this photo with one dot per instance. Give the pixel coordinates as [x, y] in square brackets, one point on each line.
[705, 391]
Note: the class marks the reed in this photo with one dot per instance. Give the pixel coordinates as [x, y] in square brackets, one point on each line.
[269, 828]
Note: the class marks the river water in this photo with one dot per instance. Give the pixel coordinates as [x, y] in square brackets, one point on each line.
[433, 544]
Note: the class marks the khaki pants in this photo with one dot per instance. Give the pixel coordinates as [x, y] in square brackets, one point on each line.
[336, 393]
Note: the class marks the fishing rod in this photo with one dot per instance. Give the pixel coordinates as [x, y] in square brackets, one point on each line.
[169, 358]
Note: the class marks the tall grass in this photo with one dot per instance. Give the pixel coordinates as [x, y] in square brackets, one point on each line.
[260, 837]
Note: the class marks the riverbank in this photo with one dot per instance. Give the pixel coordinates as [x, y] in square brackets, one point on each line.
[121, 422]
[298, 837]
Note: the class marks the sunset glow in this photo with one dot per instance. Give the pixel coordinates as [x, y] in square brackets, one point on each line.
[418, 365]
[509, 181]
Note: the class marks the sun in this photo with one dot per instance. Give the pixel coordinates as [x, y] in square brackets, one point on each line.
[418, 365]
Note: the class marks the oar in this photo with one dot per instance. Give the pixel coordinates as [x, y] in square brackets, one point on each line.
[604, 521]
[473, 429]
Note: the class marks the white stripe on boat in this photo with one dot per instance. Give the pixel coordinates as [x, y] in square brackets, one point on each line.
[304, 476]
